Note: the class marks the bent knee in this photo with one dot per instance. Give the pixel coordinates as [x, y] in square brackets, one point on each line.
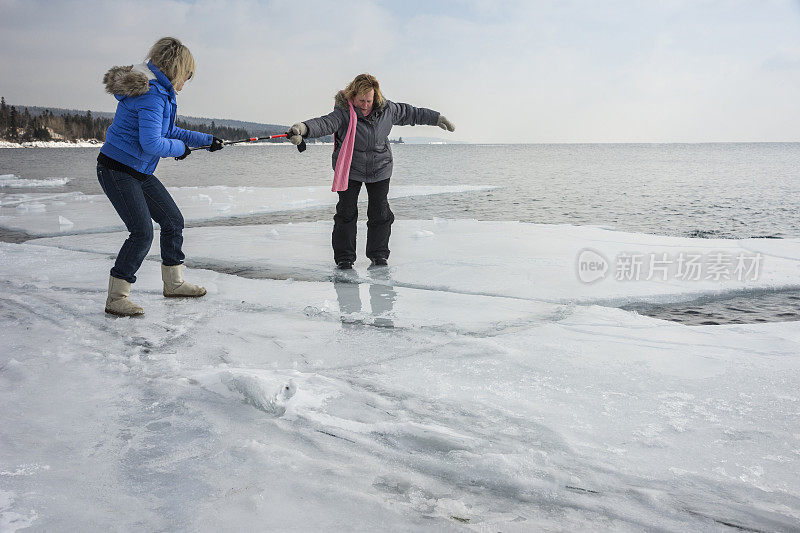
[174, 225]
[347, 214]
[381, 213]
[142, 233]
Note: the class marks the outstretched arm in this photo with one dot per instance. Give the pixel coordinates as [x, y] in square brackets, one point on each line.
[325, 125]
[190, 137]
[408, 115]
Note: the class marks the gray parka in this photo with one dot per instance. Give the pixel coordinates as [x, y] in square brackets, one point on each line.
[372, 155]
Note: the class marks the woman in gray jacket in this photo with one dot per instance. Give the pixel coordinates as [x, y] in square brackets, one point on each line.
[371, 162]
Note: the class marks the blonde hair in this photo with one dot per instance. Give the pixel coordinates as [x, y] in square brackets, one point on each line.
[362, 84]
[172, 58]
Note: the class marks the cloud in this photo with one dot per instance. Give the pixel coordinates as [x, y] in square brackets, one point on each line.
[502, 71]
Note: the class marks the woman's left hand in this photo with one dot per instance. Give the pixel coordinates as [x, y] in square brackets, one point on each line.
[216, 144]
[445, 124]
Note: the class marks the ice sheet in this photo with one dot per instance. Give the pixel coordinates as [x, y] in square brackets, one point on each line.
[15, 182]
[91, 213]
[517, 260]
[266, 405]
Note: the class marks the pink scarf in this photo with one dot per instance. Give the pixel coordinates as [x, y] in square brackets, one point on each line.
[341, 174]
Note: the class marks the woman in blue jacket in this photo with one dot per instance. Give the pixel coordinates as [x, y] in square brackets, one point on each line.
[143, 131]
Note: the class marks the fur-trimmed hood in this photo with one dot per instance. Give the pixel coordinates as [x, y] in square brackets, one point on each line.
[133, 80]
[341, 101]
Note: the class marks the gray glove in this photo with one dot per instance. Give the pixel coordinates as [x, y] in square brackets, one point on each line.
[445, 124]
[298, 131]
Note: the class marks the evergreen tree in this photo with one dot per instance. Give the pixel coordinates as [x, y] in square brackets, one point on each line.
[12, 124]
[39, 132]
[3, 116]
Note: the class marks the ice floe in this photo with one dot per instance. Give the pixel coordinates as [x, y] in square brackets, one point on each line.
[516, 260]
[15, 182]
[91, 213]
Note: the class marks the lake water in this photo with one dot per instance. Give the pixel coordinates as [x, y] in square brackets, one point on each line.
[697, 190]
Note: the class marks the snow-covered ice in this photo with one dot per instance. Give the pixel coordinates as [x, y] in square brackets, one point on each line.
[91, 213]
[15, 182]
[52, 144]
[424, 396]
[511, 259]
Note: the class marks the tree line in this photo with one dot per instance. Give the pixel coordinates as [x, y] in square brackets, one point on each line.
[223, 132]
[16, 126]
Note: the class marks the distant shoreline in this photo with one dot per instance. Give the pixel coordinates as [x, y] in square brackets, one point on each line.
[97, 144]
[52, 144]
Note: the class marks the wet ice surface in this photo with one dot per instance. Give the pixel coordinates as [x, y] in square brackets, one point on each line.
[442, 396]
[74, 212]
[510, 259]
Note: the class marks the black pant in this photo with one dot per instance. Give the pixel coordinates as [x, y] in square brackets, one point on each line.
[379, 221]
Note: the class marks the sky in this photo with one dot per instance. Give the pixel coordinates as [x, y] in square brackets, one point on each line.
[502, 71]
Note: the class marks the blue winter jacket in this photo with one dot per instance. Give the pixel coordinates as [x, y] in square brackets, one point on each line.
[144, 125]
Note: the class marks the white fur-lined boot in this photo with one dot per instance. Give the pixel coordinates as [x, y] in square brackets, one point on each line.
[175, 287]
[118, 302]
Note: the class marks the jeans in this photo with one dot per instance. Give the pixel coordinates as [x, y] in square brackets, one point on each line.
[136, 202]
[379, 221]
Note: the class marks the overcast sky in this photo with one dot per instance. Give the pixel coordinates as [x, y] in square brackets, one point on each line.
[502, 71]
